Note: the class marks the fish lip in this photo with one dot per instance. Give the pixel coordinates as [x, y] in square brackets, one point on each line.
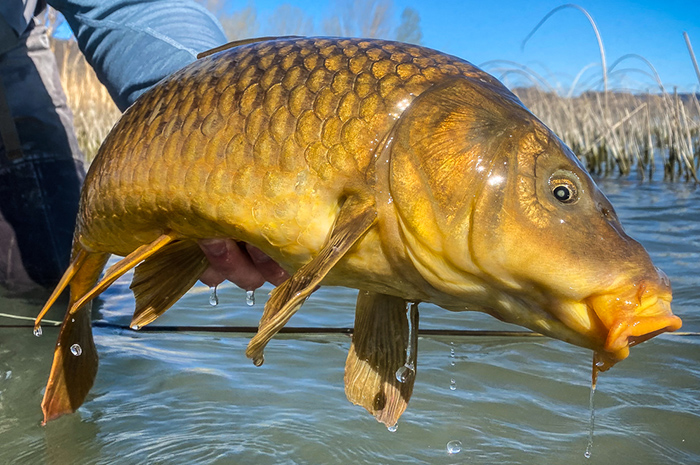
[632, 321]
[629, 332]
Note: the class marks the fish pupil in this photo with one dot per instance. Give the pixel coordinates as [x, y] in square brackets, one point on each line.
[562, 193]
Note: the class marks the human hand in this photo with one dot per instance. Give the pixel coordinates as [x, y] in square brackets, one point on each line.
[244, 265]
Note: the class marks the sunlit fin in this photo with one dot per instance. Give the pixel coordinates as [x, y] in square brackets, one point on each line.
[238, 43]
[165, 277]
[115, 271]
[378, 350]
[356, 216]
[75, 264]
[72, 375]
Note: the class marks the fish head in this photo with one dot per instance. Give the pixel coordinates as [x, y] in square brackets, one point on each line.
[498, 215]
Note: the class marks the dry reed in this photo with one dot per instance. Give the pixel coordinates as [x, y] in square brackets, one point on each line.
[94, 112]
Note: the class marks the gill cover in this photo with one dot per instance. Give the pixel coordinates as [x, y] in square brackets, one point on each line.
[447, 147]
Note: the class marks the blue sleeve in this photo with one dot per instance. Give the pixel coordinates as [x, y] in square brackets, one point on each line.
[134, 44]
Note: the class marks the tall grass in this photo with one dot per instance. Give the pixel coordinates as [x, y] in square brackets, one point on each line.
[640, 132]
[94, 112]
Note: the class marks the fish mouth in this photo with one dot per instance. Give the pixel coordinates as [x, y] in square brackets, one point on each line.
[630, 318]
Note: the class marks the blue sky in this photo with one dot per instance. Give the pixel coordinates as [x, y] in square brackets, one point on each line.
[481, 31]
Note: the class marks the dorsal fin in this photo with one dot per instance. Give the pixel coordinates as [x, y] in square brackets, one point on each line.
[238, 43]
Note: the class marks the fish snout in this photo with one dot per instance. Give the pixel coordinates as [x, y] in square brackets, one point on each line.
[631, 317]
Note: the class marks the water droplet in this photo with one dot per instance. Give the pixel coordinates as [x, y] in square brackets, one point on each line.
[8, 374]
[258, 361]
[404, 373]
[213, 298]
[453, 385]
[591, 419]
[392, 429]
[250, 298]
[37, 331]
[72, 320]
[454, 447]
[135, 327]
[452, 354]
[76, 350]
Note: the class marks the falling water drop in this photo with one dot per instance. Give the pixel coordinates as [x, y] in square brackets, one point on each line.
[453, 383]
[250, 298]
[213, 298]
[404, 373]
[409, 367]
[454, 447]
[591, 419]
[37, 331]
[258, 361]
[76, 350]
[393, 428]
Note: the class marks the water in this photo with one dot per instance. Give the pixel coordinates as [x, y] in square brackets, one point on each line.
[193, 397]
[76, 350]
[591, 406]
[213, 297]
[250, 298]
[454, 447]
[408, 370]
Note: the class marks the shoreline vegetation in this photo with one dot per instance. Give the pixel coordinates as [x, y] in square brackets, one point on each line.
[623, 133]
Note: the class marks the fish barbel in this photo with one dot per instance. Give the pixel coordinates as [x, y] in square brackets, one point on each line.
[394, 169]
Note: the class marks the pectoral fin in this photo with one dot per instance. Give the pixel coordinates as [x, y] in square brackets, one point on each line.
[163, 278]
[378, 350]
[355, 218]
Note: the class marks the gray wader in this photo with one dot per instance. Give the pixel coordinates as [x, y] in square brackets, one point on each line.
[41, 166]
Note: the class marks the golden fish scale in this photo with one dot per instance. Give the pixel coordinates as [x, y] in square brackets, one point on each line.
[258, 139]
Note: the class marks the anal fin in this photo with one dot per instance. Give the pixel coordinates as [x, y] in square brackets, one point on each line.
[356, 216]
[117, 270]
[160, 280]
[379, 344]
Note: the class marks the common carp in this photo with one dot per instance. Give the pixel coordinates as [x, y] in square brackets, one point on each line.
[394, 169]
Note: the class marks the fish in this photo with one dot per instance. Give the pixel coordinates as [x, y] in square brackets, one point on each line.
[391, 168]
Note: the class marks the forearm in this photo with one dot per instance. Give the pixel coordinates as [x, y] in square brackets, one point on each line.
[132, 45]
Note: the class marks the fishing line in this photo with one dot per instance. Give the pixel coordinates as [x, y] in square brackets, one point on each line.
[298, 330]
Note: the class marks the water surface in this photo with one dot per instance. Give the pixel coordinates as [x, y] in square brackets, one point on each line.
[193, 397]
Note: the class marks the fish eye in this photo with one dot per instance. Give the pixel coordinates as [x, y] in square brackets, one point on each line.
[563, 189]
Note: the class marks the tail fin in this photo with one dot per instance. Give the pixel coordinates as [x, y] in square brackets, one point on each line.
[75, 359]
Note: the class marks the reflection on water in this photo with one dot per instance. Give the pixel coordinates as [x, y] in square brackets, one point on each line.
[194, 397]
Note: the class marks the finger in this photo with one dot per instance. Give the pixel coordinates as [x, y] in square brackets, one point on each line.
[211, 277]
[230, 262]
[267, 267]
